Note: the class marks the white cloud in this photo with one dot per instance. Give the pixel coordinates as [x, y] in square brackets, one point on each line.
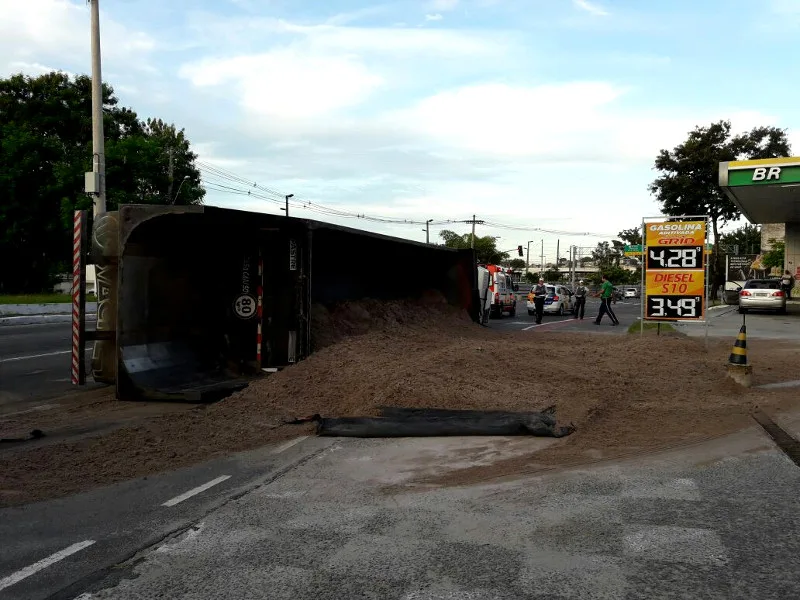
[590, 7]
[435, 17]
[289, 84]
[57, 32]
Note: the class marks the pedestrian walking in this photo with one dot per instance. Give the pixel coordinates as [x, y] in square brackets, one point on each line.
[539, 294]
[580, 300]
[787, 283]
[606, 293]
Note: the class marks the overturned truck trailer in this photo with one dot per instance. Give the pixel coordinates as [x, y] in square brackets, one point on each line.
[197, 300]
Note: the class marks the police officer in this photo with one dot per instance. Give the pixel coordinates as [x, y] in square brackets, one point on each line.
[539, 294]
[580, 300]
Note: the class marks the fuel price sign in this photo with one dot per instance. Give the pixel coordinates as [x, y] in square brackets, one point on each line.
[675, 271]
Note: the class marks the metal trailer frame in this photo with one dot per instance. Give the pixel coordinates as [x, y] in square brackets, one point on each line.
[204, 299]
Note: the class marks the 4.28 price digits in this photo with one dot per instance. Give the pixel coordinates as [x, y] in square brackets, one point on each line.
[674, 307]
[675, 258]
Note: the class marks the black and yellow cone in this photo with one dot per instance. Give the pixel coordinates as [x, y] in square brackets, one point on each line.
[739, 352]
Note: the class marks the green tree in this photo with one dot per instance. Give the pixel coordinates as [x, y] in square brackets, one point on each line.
[631, 237]
[775, 257]
[605, 255]
[515, 263]
[45, 148]
[688, 183]
[485, 247]
[747, 238]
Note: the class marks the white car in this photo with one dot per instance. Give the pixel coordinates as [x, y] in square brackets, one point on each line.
[631, 293]
[558, 301]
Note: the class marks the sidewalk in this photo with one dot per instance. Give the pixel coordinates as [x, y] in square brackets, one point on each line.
[32, 314]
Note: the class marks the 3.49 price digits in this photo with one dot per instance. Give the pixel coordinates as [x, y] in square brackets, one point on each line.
[674, 307]
[675, 258]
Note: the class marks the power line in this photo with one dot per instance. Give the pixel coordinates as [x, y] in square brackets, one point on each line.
[241, 186]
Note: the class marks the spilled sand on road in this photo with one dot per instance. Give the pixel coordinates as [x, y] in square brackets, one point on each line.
[623, 393]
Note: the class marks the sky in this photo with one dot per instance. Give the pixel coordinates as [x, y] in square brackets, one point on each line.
[541, 117]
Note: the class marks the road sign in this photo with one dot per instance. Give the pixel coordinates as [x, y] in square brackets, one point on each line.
[675, 266]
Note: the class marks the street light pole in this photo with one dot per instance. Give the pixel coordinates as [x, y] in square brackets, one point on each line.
[287, 203]
[175, 199]
[428, 231]
[98, 145]
[528, 256]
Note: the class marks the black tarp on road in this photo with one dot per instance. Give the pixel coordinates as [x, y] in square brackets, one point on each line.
[410, 422]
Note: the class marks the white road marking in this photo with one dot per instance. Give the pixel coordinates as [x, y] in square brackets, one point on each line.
[30, 356]
[289, 444]
[570, 320]
[195, 491]
[43, 564]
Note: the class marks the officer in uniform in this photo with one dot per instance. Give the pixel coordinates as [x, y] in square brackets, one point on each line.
[580, 300]
[539, 294]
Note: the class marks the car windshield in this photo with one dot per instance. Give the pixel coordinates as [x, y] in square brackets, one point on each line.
[763, 284]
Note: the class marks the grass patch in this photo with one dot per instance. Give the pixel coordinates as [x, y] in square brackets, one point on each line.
[41, 298]
[653, 327]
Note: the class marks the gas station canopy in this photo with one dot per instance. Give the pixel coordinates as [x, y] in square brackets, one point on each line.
[766, 190]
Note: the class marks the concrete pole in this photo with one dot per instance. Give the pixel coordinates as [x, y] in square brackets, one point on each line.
[472, 239]
[528, 257]
[428, 231]
[541, 268]
[98, 144]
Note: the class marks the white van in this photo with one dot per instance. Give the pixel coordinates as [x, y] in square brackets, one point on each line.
[485, 295]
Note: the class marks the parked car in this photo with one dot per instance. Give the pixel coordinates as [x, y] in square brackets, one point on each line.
[762, 294]
[557, 302]
[631, 293]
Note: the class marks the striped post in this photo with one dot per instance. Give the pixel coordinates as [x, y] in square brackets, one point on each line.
[739, 353]
[79, 228]
[260, 307]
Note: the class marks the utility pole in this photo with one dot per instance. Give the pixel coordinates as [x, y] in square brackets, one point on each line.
[171, 171]
[472, 238]
[572, 265]
[541, 268]
[98, 145]
[558, 252]
[428, 231]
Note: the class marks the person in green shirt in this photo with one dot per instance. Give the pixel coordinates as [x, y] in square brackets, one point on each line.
[606, 293]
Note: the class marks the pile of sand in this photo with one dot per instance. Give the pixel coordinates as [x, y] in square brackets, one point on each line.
[622, 393]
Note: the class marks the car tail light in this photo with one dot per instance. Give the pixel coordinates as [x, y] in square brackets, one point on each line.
[744, 293]
[497, 297]
[555, 298]
[778, 293]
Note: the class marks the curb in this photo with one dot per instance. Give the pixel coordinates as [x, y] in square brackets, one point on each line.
[39, 319]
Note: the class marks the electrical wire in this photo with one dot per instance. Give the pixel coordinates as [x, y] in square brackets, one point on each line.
[235, 184]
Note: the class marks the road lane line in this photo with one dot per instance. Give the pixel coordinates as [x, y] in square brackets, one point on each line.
[30, 356]
[570, 320]
[289, 444]
[195, 491]
[43, 564]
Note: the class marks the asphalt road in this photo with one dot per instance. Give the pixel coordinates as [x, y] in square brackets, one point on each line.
[627, 312]
[61, 546]
[35, 363]
[725, 321]
[714, 521]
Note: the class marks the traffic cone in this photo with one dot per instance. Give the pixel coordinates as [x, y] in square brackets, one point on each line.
[739, 353]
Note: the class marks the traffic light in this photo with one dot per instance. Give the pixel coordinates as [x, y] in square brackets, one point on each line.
[519, 250]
